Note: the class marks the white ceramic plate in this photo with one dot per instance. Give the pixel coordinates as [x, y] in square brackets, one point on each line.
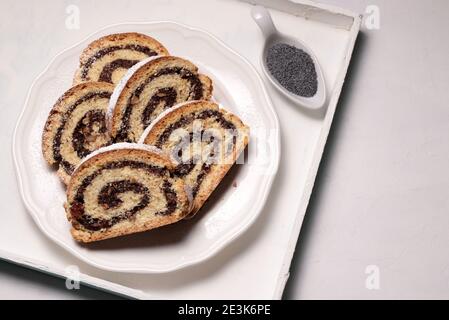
[231, 209]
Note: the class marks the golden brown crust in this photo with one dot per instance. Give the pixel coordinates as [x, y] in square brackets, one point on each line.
[64, 176]
[118, 153]
[83, 235]
[222, 169]
[148, 68]
[208, 86]
[218, 175]
[117, 39]
[87, 236]
[55, 116]
[121, 100]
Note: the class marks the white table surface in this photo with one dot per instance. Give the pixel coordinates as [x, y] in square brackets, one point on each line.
[381, 194]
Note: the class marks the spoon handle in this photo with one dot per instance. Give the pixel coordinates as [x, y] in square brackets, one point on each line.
[263, 19]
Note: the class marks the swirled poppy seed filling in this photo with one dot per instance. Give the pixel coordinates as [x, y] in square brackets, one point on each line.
[166, 95]
[187, 119]
[108, 196]
[183, 169]
[108, 70]
[82, 130]
[119, 63]
[91, 125]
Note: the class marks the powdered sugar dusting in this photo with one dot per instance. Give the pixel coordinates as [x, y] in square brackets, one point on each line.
[122, 145]
[120, 86]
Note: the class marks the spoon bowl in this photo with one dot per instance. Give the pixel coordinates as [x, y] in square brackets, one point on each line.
[272, 37]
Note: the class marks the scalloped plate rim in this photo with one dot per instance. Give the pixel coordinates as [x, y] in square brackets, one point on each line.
[231, 236]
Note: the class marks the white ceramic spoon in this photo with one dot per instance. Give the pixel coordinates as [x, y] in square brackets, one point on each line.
[263, 19]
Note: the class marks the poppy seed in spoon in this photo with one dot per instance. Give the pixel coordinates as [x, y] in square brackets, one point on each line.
[293, 69]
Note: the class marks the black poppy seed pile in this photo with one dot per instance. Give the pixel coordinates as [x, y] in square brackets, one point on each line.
[293, 69]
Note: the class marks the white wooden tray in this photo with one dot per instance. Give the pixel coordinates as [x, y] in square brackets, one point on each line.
[230, 211]
[257, 264]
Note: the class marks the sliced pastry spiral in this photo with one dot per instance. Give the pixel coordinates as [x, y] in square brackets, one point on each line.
[108, 58]
[203, 140]
[149, 88]
[123, 189]
[76, 126]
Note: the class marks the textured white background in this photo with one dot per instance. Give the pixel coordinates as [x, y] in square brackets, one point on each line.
[381, 194]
